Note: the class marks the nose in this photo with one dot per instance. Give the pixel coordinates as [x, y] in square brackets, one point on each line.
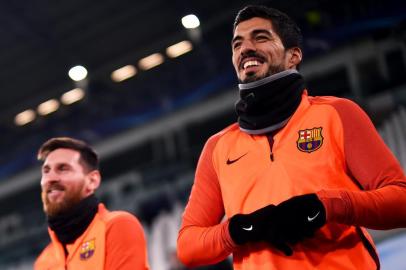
[48, 177]
[247, 46]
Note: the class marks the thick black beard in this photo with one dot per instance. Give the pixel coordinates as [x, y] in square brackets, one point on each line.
[253, 77]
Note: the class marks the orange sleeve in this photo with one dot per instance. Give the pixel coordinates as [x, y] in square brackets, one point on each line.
[381, 201]
[44, 259]
[125, 244]
[203, 239]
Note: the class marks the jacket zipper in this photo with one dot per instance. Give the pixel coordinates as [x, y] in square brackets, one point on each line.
[271, 142]
[65, 249]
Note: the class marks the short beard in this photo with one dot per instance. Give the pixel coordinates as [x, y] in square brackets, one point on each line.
[71, 199]
[271, 71]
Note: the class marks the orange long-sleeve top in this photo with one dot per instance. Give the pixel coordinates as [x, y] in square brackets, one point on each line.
[354, 174]
[113, 241]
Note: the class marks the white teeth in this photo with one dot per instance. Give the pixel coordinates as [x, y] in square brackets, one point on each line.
[54, 190]
[250, 63]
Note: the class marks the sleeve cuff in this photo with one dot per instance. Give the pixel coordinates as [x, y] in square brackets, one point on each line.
[337, 204]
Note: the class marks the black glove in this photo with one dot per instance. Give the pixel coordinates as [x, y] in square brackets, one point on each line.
[297, 218]
[256, 227]
[287, 223]
[251, 227]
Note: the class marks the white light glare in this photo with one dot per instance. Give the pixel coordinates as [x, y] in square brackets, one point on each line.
[77, 73]
[72, 96]
[123, 73]
[48, 107]
[179, 49]
[24, 117]
[151, 61]
[190, 21]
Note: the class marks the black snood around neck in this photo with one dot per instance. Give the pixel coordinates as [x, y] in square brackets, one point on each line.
[267, 104]
[70, 225]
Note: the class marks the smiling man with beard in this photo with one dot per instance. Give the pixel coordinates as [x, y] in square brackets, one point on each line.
[298, 178]
[84, 234]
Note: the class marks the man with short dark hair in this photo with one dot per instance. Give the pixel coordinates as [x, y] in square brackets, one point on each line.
[84, 234]
[298, 178]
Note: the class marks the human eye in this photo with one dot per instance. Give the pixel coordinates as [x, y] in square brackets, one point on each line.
[262, 38]
[64, 167]
[45, 169]
[236, 44]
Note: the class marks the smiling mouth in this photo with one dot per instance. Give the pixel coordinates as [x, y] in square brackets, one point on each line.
[54, 195]
[55, 188]
[251, 63]
[54, 191]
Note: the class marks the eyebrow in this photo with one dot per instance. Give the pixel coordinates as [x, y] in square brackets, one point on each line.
[254, 32]
[57, 164]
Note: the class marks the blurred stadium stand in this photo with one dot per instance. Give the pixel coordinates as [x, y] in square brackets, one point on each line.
[150, 129]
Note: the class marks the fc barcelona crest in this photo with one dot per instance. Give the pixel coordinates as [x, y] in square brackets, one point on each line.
[310, 140]
[87, 250]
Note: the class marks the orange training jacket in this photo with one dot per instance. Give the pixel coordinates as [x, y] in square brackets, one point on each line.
[329, 147]
[113, 241]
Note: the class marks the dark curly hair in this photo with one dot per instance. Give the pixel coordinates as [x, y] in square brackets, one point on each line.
[284, 26]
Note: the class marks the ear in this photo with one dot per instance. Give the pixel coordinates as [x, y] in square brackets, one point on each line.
[93, 181]
[294, 57]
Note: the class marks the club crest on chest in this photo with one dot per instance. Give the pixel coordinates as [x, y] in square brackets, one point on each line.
[310, 139]
[87, 250]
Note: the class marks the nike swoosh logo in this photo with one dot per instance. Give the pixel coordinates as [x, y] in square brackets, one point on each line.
[248, 229]
[231, 161]
[310, 219]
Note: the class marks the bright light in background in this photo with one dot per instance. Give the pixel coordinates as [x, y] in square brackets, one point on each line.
[24, 117]
[72, 96]
[123, 73]
[77, 73]
[179, 49]
[48, 107]
[190, 21]
[151, 61]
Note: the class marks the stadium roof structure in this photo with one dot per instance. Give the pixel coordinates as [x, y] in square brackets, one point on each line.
[42, 39]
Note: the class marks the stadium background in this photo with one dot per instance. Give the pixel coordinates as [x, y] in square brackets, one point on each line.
[150, 128]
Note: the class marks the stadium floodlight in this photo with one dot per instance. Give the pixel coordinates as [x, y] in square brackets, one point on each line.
[77, 73]
[123, 73]
[24, 117]
[72, 96]
[190, 21]
[151, 61]
[48, 107]
[179, 49]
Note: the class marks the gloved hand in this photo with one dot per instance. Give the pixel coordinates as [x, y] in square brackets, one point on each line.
[251, 227]
[256, 227]
[296, 219]
[287, 223]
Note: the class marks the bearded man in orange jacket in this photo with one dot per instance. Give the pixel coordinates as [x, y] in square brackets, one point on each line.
[84, 234]
[298, 178]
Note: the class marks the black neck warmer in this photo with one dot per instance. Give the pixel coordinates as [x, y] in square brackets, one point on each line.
[267, 104]
[70, 225]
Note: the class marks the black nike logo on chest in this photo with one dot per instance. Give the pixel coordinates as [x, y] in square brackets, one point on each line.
[231, 161]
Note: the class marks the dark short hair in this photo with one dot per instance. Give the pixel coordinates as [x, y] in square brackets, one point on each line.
[88, 156]
[284, 26]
